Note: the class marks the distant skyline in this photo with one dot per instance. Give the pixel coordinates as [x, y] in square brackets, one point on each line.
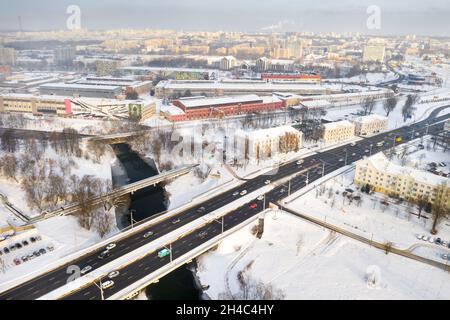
[397, 17]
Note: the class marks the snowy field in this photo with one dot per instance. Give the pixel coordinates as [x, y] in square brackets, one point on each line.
[308, 262]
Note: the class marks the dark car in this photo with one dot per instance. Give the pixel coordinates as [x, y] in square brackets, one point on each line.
[201, 210]
[103, 255]
[25, 242]
[5, 250]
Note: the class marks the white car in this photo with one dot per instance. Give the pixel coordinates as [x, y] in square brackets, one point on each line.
[86, 269]
[267, 182]
[148, 234]
[243, 193]
[431, 240]
[113, 274]
[235, 193]
[419, 236]
[353, 144]
[107, 284]
[111, 246]
[260, 198]
[299, 162]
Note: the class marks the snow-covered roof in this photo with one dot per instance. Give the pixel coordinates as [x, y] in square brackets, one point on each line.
[316, 103]
[202, 102]
[381, 163]
[370, 118]
[337, 124]
[269, 132]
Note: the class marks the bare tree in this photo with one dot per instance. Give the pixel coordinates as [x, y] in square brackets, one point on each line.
[408, 108]
[9, 166]
[8, 141]
[389, 105]
[103, 222]
[368, 105]
[440, 207]
[421, 202]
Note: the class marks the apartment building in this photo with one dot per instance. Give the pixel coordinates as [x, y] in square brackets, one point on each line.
[266, 143]
[370, 124]
[392, 179]
[374, 53]
[338, 131]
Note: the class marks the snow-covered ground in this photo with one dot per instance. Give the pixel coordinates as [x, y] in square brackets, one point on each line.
[308, 262]
[62, 233]
[397, 223]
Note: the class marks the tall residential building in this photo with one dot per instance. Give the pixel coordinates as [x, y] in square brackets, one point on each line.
[64, 55]
[8, 56]
[227, 63]
[374, 53]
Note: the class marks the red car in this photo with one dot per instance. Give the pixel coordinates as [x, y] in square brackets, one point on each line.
[253, 206]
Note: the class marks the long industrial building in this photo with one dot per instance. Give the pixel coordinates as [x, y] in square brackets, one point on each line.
[196, 108]
[173, 88]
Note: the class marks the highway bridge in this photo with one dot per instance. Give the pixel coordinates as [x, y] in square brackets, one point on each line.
[147, 267]
[117, 193]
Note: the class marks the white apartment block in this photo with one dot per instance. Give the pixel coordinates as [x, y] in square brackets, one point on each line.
[368, 125]
[374, 53]
[338, 131]
[266, 143]
[392, 179]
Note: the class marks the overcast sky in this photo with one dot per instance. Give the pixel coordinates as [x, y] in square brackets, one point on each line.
[428, 17]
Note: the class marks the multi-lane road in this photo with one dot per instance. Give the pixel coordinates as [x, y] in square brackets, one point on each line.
[331, 160]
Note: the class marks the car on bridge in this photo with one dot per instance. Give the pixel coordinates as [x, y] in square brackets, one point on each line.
[202, 234]
[243, 193]
[107, 284]
[175, 221]
[163, 253]
[201, 210]
[300, 162]
[86, 269]
[104, 255]
[113, 274]
[148, 234]
[110, 246]
[253, 206]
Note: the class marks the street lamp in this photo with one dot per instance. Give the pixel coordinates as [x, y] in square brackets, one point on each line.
[371, 146]
[131, 218]
[101, 288]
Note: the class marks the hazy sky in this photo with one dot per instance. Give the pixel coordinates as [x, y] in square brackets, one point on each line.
[397, 17]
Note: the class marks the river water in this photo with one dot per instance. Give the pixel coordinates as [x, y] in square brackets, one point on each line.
[179, 284]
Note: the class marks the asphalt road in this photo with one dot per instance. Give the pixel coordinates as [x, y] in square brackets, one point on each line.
[334, 159]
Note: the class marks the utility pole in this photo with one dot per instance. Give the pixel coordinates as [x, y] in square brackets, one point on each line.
[289, 187]
[131, 218]
[101, 289]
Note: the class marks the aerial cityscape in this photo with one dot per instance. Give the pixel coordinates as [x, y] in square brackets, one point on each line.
[248, 150]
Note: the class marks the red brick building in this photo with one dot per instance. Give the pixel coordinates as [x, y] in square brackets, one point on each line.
[203, 108]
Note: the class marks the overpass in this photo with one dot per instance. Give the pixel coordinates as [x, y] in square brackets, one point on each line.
[134, 273]
[117, 193]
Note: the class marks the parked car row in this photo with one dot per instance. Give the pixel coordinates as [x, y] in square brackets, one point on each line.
[33, 255]
[19, 245]
[430, 239]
